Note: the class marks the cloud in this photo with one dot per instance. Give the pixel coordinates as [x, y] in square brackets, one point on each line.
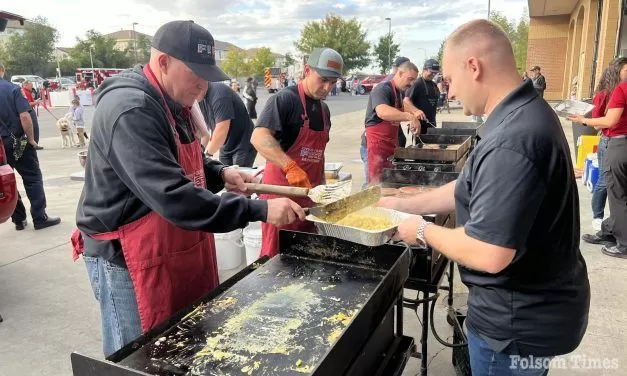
[417, 24]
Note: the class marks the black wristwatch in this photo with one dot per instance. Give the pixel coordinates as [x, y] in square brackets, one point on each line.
[222, 169]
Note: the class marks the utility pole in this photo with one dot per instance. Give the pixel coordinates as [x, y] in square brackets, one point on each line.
[389, 44]
[135, 41]
[488, 9]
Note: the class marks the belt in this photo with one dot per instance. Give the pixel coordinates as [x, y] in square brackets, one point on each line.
[620, 136]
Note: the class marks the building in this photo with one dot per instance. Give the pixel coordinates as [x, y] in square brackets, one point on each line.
[61, 53]
[574, 41]
[279, 60]
[10, 24]
[124, 38]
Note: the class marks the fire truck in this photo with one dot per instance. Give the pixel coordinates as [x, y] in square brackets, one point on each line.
[96, 75]
[274, 78]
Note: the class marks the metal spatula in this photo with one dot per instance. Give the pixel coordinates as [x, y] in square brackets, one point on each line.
[321, 194]
[339, 209]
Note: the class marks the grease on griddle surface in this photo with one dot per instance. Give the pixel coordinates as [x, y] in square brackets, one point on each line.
[280, 320]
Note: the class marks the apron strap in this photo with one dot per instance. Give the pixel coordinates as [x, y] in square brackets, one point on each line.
[106, 236]
[396, 105]
[303, 102]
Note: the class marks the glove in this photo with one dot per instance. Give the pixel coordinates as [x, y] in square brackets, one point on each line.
[295, 175]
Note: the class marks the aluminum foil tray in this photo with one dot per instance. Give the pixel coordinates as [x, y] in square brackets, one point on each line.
[361, 236]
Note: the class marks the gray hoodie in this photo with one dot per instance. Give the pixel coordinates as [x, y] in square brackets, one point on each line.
[132, 169]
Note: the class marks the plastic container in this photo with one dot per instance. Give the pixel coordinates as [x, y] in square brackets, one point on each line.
[587, 165]
[229, 249]
[585, 146]
[252, 241]
[593, 175]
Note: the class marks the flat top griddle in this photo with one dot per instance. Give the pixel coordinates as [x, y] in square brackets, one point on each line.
[282, 319]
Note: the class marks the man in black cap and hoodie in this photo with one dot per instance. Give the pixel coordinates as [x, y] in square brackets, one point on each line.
[424, 95]
[147, 209]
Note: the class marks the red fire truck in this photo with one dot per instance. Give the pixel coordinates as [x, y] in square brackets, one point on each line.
[96, 75]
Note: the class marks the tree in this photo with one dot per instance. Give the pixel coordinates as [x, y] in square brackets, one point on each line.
[143, 50]
[440, 54]
[235, 63]
[517, 33]
[345, 36]
[288, 60]
[263, 58]
[103, 52]
[385, 52]
[31, 51]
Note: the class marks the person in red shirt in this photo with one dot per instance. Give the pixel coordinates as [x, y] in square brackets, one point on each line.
[614, 126]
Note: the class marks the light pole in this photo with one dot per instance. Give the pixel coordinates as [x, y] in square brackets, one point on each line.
[91, 58]
[389, 43]
[135, 41]
[488, 9]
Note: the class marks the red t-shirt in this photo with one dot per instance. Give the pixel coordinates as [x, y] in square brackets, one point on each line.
[600, 103]
[619, 100]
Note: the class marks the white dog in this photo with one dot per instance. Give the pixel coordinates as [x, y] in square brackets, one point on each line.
[65, 127]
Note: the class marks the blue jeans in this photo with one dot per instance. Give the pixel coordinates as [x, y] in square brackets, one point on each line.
[363, 152]
[599, 193]
[486, 362]
[114, 291]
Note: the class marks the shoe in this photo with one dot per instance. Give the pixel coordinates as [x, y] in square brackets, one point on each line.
[615, 251]
[19, 226]
[46, 222]
[596, 224]
[599, 238]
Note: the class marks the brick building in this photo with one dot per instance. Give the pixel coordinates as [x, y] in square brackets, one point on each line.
[573, 41]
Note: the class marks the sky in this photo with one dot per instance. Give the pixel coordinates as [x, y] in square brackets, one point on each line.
[419, 25]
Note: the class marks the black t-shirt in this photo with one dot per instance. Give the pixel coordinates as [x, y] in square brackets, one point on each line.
[283, 111]
[424, 94]
[382, 94]
[517, 190]
[220, 104]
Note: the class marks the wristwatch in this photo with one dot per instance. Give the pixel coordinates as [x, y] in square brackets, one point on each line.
[420, 235]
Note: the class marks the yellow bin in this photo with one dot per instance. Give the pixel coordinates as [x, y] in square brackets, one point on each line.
[585, 146]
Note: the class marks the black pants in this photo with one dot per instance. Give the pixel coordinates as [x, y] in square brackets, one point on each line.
[615, 174]
[250, 107]
[242, 158]
[28, 168]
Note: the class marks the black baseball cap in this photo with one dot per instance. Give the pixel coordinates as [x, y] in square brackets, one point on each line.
[400, 60]
[535, 68]
[432, 65]
[193, 45]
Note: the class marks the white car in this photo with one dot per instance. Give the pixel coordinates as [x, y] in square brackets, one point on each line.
[37, 81]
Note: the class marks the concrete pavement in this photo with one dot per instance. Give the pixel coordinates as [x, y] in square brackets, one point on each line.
[49, 309]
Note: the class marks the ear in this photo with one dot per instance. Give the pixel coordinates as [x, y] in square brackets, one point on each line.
[164, 62]
[306, 71]
[475, 67]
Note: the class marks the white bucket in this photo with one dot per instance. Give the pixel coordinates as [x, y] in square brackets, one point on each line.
[252, 241]
[229, 249]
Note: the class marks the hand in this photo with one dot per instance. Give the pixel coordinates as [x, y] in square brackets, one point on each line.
[33, 143]
[234, 180]
[415, 126]
[577, 119]
[408, 229]
[295, 175]
[283, 211]
[393, 203]
[419, 115]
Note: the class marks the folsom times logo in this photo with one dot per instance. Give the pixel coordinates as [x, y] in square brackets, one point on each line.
[563, 362]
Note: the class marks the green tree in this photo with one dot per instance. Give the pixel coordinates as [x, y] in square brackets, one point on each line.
[518, 33]
[4, 56]
[31, 51]
[143, 50]
[235, 63]
[68, 67]
[288, 60]
[385, 51]
[263, 58]
[440, 54]
[345, 36]
[103, 52]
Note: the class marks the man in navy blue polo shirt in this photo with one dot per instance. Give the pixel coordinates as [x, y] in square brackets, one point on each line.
[15, 122]
[517, 208]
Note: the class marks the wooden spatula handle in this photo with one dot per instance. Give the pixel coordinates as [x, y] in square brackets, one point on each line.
[277, 190]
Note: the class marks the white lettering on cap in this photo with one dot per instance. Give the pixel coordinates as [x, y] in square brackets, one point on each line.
[205, 48]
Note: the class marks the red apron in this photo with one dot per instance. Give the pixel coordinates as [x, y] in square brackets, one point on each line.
[170, 267]
[381, 141]
[308, 153]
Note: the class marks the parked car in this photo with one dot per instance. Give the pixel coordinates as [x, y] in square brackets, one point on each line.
[367, 84]
[62, 83]
[8, 187]
[37, 81]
